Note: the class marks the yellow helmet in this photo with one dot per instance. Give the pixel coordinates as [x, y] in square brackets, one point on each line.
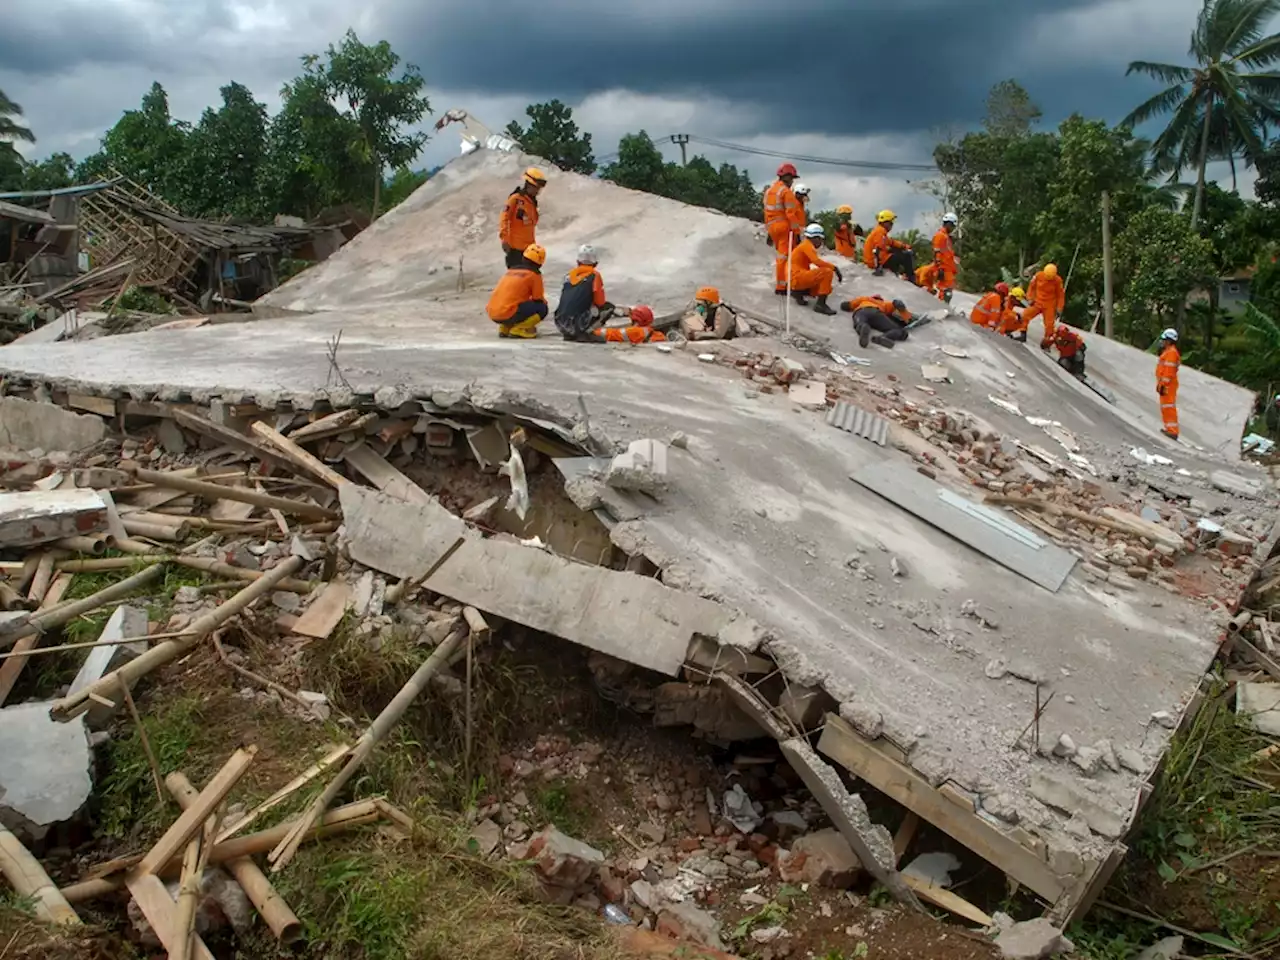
[536, 252]
[1017, 292]
[536, 177]
[1050, 269]
[886, 216]
[845, 208]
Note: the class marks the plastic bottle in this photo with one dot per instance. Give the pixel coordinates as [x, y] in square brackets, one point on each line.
[616, 915]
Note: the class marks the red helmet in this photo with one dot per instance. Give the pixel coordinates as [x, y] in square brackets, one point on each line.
[1002, 289]
[787, 170]
[642, 316]
[1063, 330]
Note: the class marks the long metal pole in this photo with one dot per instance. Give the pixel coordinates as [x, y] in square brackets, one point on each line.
[786, 306]
[1108, 289]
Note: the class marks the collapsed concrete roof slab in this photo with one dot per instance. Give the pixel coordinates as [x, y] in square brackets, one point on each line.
[759, 513]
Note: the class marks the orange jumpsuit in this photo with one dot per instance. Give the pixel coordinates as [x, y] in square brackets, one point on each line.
[1047, 296]
[857, 303]
[927, 277]
[809, 272]
[1167, 387]
[633, 334]
[1010, 320]
[987, 312]
[518, 299]
[518, 222]
[879, 246]
[784, 219]
[844, 240]
[944, 257]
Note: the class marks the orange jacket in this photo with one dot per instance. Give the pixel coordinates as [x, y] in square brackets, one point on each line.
[1067, 341]
[781, 206]
[580, 273]
[987, 312]
[844, 240]
[806, 256]
[1010, 319]
[875, 250]
[518, 285]
[927, 276]
[519, 219]
[1167, 368]
[632, 334]
[879, 303]
[1047, 292]
[944, 251]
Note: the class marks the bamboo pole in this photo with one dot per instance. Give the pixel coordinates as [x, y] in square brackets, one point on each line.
[296, 455]
[93, 546]
[43, 578]
[293, 786]
[9, 672]
[377, 730]
[243, 494]
[12, 600]
[155, 531]
[24, 873]
[188, 898]
[109, 877]
[145, 740]
[240, 573]
[75, 704]
[43, 621]
[283, 922]
[102, 563]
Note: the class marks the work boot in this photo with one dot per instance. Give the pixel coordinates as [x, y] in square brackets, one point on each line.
[504, 329]
[1171, 436]
[878, 272]
[779, 291]
[882, 341]
[822, 308]
[799, 298]
[1017, 337]
[864, 333]
[525, 329]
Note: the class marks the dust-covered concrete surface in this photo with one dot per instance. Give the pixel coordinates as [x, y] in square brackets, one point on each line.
[760, 512]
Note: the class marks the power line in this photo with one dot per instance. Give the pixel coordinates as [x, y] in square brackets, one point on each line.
[798, 158]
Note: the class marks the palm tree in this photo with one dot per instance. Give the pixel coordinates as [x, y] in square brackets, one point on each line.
[1223, 104]
[9, 128]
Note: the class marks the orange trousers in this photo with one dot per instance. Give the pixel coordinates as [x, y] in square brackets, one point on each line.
[1050, 315]
[780, 234]
[946, 281]
[815, 280]
[1169, 409]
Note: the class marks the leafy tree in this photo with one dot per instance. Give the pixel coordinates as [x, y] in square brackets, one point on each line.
[224, 157]
[552, 134]
[381, 105]
[147, 146]
[52, 173]
[1267, 185]
[640, 166]
[11, 162]
[1010, 110]
[1160, 259]
[1227, 87]
[401, 184]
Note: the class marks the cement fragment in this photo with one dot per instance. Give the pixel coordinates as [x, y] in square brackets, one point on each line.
[45, 770]
[27, 426]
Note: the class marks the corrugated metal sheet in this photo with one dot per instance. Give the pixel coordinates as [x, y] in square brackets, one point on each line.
[859, 422]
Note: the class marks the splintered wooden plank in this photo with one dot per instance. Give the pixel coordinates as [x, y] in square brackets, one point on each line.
[378, 471]
[152, 897]
[325, 611]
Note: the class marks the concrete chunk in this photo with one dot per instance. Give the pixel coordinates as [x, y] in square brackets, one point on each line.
[125, 622]
[1258, 704]
[642, 466]
[395, 536]
[1035, 939]
[25, 426]
[1072, 798]
[45, 770]
[41, 516]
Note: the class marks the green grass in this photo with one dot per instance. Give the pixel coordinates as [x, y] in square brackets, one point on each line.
[556, 803]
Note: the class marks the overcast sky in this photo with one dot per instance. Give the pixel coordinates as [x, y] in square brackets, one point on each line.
[825, 78]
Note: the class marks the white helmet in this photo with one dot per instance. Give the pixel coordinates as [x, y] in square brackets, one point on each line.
[800, 190]
[814, 230]
[1170, 334]
[587, 254]
[950, 218]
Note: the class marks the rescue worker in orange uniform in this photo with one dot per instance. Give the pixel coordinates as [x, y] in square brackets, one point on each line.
[1167, 381]
[784, 220]
[802, 197]
[640, 330]
[944, 257]
[1048, 297]
[879, 321]
[846, 231]
[810, 273]
[519, 220]
[1071, 350]
[1012, 323]
[927, 277]
[881, 251]
[989, 309]
[583, 304]
[519, 303]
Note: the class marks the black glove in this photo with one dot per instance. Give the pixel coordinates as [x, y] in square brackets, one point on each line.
[769, 239]
[839, 275]
[506, 248]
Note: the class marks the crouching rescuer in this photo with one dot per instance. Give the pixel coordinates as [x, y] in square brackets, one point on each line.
[1071, 350]
[710, 319]
[519, 303]
[583, 305]
[810, 274]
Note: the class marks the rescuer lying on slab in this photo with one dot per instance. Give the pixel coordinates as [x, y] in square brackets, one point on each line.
[519, 303]
[639, 331]
[878, 321]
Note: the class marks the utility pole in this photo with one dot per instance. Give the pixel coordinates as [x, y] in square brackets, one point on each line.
[681, 139]
[1108, 290]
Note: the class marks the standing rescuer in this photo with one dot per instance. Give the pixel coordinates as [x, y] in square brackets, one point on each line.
[1167, 381]
[1048, 297]
[810, 273]
[519, 303]
[846, 232]
[944, 257]
[519, 220]
[784, 220]
[881, 251]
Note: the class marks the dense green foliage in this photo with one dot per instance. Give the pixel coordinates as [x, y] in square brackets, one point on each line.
[640, 166]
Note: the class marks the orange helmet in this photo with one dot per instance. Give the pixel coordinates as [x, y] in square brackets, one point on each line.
[642, 316]
[707, 294]
[787, 170]
[536, 252]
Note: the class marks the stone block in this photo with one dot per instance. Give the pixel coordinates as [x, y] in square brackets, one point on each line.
[824, 858]
[39, 516]
[127, 621]
[45, 770]
[562, 861]
[25, 425]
